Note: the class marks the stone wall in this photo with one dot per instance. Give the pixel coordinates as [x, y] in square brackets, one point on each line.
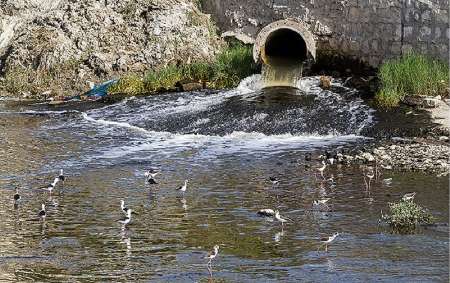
[370, 30]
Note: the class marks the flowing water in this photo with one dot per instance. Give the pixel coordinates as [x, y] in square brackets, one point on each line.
[227, 144]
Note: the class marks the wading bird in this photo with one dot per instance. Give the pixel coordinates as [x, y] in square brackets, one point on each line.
[42, 213]
[61, 176]
[127, 219]
[151, 173]
[274, 180]
[123, 207]
[321, 201]
[17, 197]
[409, 196]
[51, 186]
[277, 216]
[326, 241]
[183, 188]
[370, 175]
[330, 158]
[266, 212]
[321, 169]
[211, 256]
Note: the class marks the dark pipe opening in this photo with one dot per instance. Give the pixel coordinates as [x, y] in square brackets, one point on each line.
[285, 47]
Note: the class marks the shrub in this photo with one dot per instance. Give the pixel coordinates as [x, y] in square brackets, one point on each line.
[226, 71]
[162, 79]
[404, 216]
[131, 84]
[232, 65]
[411, 74]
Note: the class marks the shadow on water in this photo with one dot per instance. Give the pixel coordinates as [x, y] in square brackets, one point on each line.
[227, 145]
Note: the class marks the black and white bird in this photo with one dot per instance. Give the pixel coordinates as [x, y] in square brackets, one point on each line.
[151, 181]
[151, 173]
[370, 175]
[213, 254]
[61, 176]
[123, 207]
[278, 217]
[321, 201]
[42, 213]
[409, 196]
[274, 180]
[51, 186]
[327, 240]
[330, 158]
[127, 218]
[183, 188]
[322, 169]
[17, 197]
[267, 212]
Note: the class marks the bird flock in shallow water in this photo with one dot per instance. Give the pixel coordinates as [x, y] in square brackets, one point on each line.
[320, 204]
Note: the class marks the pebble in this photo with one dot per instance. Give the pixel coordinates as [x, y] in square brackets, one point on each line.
[417, 156]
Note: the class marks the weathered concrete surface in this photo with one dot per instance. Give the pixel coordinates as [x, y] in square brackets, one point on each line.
[370, 30]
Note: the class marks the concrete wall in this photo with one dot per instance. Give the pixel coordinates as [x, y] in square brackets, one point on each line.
[370, 30]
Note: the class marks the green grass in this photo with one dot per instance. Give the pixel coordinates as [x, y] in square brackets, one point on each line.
[226, 71]
[58, 78]
[412, 74]
[404, 216]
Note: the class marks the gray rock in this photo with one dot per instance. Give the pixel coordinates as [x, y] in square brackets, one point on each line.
[191, 86]
[422, 100]
[368, 157]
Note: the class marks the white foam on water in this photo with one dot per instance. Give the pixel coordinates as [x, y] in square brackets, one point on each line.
[213, 144]
[37, 112]
[250, 84]
[114, 123]
[167, 142]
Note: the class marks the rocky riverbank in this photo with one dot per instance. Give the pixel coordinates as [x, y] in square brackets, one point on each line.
[50, 48]
[417, 154]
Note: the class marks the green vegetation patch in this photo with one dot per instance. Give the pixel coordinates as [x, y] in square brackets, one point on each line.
[411, 74]
[228, 68]
[404, 216]
[20, 80]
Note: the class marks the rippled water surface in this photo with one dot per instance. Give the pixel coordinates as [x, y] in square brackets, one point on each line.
[227, 144]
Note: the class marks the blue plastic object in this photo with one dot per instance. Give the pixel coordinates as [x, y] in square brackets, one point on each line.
[99, 91]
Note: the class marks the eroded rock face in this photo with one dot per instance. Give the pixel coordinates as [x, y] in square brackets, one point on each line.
[87, 40]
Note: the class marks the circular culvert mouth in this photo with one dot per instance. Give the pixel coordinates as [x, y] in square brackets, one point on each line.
[284, 43]
[284, 47]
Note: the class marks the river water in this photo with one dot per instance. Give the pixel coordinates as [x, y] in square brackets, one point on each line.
[227, 144]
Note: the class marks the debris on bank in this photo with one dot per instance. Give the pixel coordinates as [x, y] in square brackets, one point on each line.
[96, 93]
[406, 154]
